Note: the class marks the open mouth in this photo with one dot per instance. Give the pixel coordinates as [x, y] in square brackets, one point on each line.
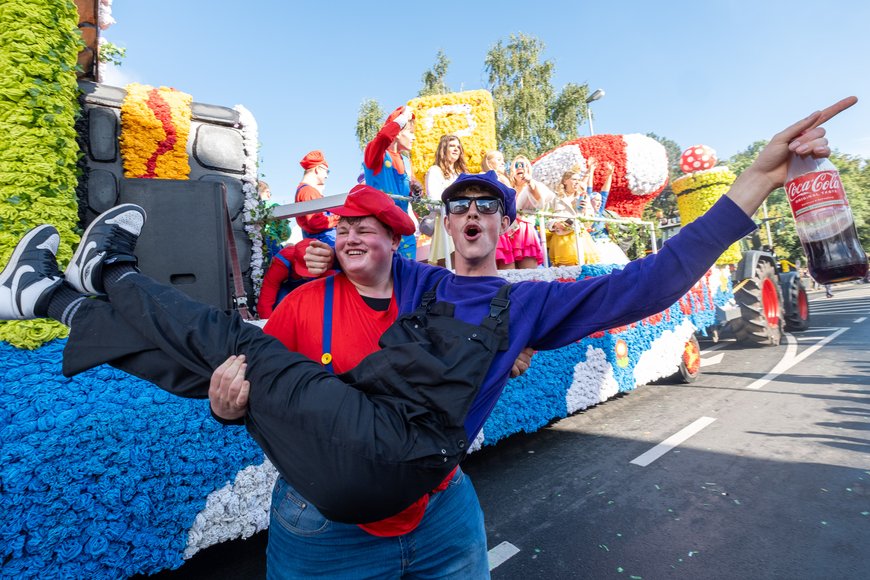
[472, 231]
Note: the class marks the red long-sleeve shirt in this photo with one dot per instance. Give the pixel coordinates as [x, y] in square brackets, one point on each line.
[316, 222]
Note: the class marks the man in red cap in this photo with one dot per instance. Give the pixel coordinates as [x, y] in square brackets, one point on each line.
[385, 167]
[320, 226]
[339, 327]
[367, 445]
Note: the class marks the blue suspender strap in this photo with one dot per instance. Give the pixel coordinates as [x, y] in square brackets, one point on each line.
[284, 261]
[326, 357]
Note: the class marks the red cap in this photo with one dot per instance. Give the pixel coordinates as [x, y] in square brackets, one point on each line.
[365, 200]
[313, 159]
[396, 113]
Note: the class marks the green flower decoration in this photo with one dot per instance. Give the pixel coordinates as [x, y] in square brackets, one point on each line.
[39, 45]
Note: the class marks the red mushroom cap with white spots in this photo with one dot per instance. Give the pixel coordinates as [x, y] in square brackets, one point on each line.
[697, 158]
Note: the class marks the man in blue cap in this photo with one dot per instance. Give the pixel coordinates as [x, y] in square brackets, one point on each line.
[366, 445]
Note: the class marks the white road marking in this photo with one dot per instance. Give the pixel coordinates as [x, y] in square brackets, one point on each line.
[860, 320]
[789, 360]
[712, 360]
[648, 457]
[501, 554]
[716, 346]
[850, 310]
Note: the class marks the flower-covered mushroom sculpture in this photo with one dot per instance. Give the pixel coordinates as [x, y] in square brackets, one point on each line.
[640, 168]
[703, 184]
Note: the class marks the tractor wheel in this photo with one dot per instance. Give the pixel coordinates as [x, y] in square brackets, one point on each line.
[797, 306]
[760, 308]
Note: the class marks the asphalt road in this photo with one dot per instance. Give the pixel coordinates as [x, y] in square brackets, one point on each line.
[766, 472]
[771, 481]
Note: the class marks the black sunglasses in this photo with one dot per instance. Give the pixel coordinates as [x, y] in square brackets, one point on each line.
[461, 205]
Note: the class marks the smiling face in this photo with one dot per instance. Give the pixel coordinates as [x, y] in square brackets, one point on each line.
[475, 236]
[364, 248]
[495, 161]
[521, 172]
[571, 183]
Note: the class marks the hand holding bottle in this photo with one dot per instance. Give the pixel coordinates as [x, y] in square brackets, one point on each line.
[769, 170]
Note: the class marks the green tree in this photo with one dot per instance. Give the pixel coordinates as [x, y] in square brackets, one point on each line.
[531, 117]
[109, 52]
[368, 121]
[666, 202]
[855, 173]
[785, 240]
[433, 79]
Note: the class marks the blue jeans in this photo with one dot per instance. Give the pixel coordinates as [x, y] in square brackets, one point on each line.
[450, 542]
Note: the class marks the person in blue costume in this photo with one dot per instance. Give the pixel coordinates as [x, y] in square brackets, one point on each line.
[387, 169]
[609, 252]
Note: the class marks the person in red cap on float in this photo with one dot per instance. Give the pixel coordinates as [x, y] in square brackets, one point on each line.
[320, 226]
[387, 169]
[368, 444]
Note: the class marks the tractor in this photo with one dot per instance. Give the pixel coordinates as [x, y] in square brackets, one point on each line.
[769, 295]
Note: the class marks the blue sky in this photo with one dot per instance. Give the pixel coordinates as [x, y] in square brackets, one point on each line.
[720, 73]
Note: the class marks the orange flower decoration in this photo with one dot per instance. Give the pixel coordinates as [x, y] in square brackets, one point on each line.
[155, 124]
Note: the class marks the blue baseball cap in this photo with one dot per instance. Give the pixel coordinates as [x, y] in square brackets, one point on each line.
[489, 182]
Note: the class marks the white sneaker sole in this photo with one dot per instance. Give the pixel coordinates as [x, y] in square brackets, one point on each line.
[75, 267]
[53, 242]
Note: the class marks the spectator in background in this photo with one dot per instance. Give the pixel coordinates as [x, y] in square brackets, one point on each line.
[494, 161]
[275, 233]
[386, 168]
[609, 252]
[286, 273]
[319, 226]
[565, 245]
[519, 247]
[449, 163]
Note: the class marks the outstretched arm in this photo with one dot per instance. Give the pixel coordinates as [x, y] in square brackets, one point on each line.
[651, 284]
[589, 178]
[375, 149]
[608, 178]
[768, 171]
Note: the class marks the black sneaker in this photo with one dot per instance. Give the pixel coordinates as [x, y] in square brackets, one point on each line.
[110, 239]
[31, 274]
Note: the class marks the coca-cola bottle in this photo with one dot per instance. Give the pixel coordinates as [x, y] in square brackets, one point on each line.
[824, 221]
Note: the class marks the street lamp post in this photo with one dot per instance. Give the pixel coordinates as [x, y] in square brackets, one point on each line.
[597, 94]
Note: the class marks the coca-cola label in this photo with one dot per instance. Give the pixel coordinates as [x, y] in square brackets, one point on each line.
[814, 191]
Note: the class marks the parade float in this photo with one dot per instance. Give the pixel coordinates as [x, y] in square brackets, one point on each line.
[767, 299]
[104, 475]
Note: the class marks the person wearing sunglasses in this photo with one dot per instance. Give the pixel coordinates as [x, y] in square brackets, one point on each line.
[319, 226]
[345, 441]
[519, 247]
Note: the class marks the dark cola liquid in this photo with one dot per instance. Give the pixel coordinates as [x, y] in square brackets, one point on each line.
[836, 259]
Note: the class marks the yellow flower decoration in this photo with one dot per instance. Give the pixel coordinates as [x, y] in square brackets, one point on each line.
[155, 124]
[697, 192]
[470, 115]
